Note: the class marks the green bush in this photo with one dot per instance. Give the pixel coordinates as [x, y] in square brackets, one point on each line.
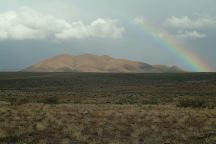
[51, 100]
[194, 102]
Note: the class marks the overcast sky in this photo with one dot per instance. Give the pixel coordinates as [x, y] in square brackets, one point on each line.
[32, 30]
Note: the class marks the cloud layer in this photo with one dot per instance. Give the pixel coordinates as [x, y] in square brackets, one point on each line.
[30, 24]
[188, 23]
[190, 35]
[188, 28]
[102, 28]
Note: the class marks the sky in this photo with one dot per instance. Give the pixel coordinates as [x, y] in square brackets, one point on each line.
[168, 32]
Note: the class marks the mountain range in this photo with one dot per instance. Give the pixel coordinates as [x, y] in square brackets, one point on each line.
[100, 64]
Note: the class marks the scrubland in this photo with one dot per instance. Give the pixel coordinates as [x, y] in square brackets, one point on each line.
[88, 108]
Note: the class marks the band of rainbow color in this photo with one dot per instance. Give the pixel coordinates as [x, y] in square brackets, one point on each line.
[167, 40]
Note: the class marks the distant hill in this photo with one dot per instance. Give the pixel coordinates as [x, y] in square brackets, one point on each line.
[94, 63]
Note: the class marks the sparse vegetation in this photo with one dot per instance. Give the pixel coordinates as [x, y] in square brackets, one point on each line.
[107, 124]
[83, 108]
[195, 102]
[51, 100]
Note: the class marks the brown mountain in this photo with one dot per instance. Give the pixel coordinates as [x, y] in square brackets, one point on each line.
[94, 63]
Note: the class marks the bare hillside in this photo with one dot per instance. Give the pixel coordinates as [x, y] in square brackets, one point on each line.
[94, 63]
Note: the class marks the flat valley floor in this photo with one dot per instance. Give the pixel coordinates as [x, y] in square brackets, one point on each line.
[92, 108]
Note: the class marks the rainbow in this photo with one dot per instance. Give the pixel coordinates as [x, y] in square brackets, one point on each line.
[168, 41]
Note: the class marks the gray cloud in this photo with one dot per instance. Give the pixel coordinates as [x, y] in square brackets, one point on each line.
[186, 22]
[26, 23]
[190, 35]
[187, 28]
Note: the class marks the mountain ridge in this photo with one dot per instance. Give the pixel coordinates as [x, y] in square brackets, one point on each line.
[95, 63]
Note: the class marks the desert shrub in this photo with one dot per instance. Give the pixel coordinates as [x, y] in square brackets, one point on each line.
[194, 102]
[51, 100]
[10, 139]
[18, 101]
[127, 100]
[13, 101]
[150, 102]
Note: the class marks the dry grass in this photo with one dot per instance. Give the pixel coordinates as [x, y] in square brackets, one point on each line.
[98, 124]
[84, 108]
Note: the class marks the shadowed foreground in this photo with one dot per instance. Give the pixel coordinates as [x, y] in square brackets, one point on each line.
[83, 108]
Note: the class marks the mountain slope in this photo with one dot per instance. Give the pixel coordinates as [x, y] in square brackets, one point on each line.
[94, 63]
